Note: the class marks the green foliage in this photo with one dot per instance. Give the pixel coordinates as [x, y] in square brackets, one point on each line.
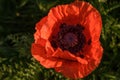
[17, 23]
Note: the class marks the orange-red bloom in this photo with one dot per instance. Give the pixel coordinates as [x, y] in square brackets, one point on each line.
[67, 39]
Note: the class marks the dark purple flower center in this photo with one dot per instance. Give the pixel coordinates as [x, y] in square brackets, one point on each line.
[69, 38]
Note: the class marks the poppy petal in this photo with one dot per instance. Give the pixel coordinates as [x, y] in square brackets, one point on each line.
[71, 70]
[68, 56]
[63, 14]
[95, 25]
[39, 53]
[38, 28]
[49, 49]
[96, 52]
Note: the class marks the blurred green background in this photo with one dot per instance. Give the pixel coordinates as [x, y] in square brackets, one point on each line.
[17, 23]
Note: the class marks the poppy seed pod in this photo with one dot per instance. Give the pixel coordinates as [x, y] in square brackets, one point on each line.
[67, 39]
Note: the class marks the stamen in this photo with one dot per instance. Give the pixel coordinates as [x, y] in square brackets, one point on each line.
[69, 38]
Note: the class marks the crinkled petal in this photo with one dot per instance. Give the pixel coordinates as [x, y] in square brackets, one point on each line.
[96, 52]
[39, 53]
[38, 27]
[70, 69]
[75, 70]
[68, 56]
[94, 23]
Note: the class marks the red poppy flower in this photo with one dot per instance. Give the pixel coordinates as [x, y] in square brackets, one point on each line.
[67, 39]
